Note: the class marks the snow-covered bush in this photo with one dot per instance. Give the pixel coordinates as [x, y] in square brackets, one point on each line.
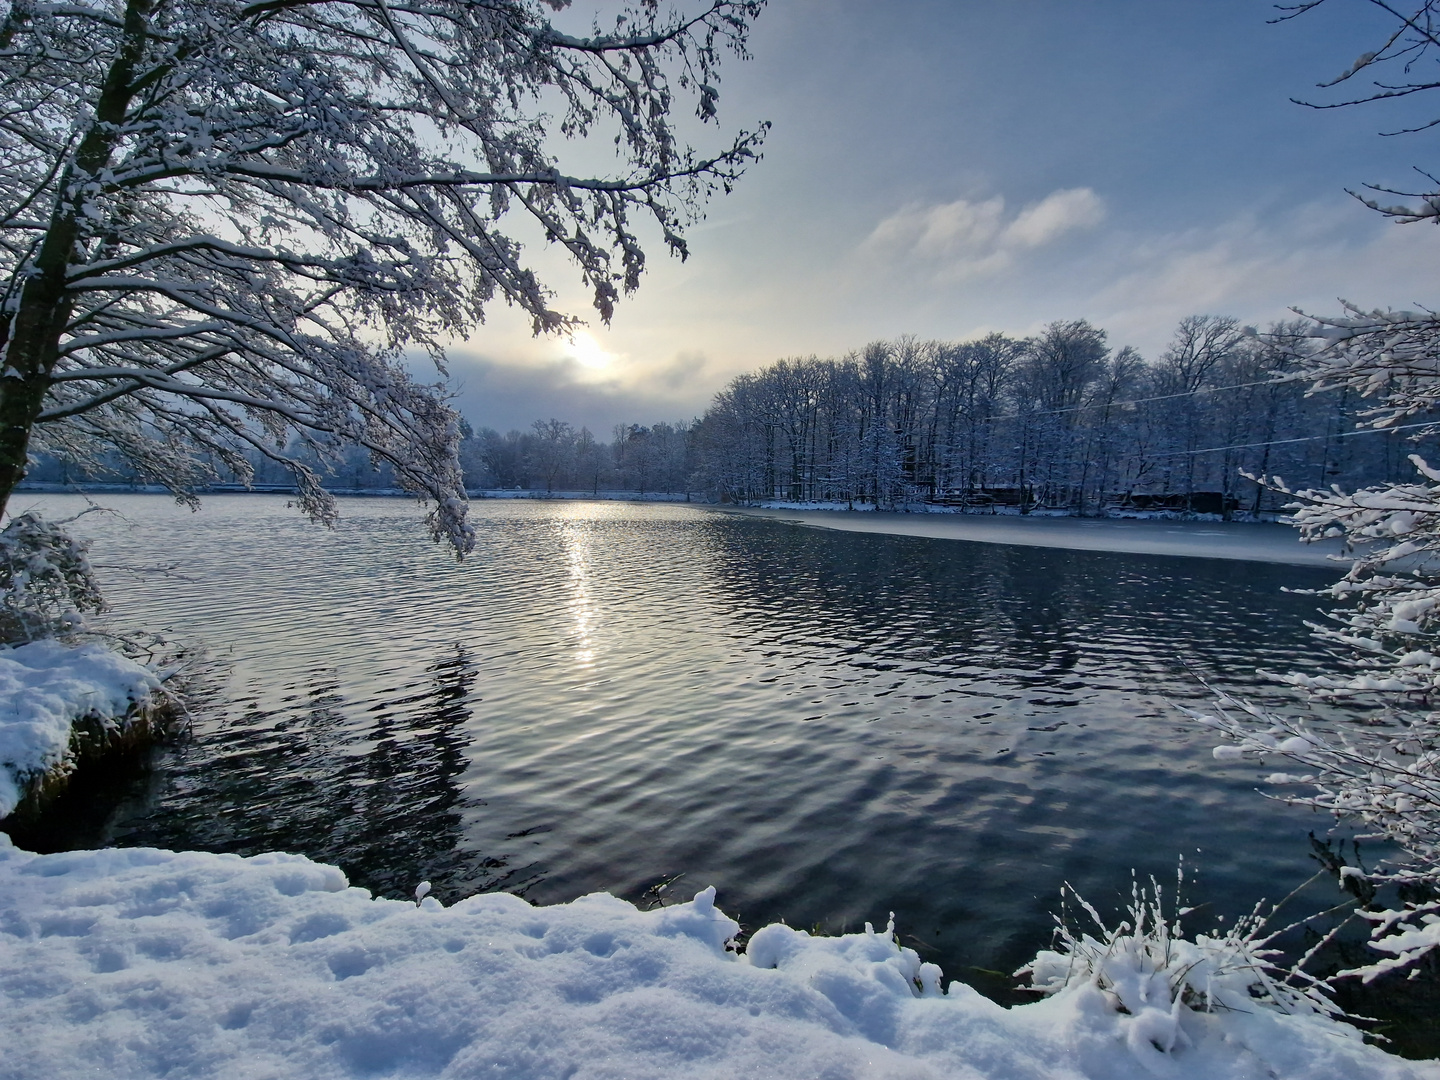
[1150, 971]
[1384, 774]
[1391, 532]
[46, 583]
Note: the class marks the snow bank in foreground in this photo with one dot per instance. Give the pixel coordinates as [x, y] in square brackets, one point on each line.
[44, 687]
[142, 963]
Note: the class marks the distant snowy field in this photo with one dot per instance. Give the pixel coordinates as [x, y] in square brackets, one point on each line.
[142, 963]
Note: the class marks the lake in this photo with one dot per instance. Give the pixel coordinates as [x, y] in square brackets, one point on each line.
[826, 725]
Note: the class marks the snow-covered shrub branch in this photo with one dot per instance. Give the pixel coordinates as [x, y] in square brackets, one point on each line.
[1406, 934]
[46, 583]
[1399, 66]
[1385, 775]
[1392, 357]
[223, 224]
[1153, 975]
[1391, 531]
[1145, 962]
[1382, 773]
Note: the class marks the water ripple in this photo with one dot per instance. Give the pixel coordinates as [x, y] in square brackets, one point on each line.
[828, 726]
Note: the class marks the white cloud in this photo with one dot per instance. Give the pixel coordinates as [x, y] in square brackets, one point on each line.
[959, 227]
[503, 395]
[968, 237]
[1053, 216]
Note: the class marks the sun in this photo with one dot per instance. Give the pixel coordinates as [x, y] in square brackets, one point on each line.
[587, 351]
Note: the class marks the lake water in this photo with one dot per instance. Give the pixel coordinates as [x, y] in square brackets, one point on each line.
[828, 726]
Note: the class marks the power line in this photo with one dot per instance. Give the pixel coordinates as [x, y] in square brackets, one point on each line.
[1303, 438]
[1136, 401]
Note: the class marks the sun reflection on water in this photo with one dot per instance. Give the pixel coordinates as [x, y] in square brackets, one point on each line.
[578, 538]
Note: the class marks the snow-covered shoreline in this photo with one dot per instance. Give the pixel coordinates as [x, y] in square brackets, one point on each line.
[144, 963]
[1239, 541]
[46, 688]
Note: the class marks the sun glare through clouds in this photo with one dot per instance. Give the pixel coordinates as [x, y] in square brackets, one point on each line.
[587, 352]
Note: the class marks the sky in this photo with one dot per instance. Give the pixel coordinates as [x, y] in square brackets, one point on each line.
[948, 168]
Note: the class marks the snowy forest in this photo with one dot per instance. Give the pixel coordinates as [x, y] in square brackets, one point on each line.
[1059, 421]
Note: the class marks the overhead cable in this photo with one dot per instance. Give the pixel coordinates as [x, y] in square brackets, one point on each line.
[1303, 438]
[1135, 401]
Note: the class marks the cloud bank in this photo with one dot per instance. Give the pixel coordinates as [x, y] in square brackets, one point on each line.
[503, 395]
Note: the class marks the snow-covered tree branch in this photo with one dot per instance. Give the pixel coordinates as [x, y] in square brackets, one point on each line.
[1391, 359]
[224, 224]
[1383, 773]
[1399, 66]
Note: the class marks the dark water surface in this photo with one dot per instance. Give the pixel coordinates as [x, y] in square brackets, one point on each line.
[828, 726]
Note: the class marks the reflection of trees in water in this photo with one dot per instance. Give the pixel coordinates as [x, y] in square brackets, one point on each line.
[949, 608]
[374, 791]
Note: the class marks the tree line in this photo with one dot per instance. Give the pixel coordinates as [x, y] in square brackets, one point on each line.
[1057, 421]
[552, 456]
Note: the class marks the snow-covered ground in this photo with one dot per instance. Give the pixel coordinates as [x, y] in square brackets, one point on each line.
[1245, 541]
[143, 963]
[44, 687]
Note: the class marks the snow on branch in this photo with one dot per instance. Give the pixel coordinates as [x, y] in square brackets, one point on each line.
[1406, 51]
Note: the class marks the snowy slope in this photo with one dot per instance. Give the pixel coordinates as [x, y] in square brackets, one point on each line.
[143, 963]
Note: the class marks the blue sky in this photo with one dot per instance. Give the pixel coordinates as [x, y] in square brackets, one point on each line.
[950, 168]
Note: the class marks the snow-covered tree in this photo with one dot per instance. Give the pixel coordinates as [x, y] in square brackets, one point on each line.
[225, 223]
[553, 449]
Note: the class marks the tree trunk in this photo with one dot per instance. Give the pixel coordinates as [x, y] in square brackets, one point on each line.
[30, 340]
